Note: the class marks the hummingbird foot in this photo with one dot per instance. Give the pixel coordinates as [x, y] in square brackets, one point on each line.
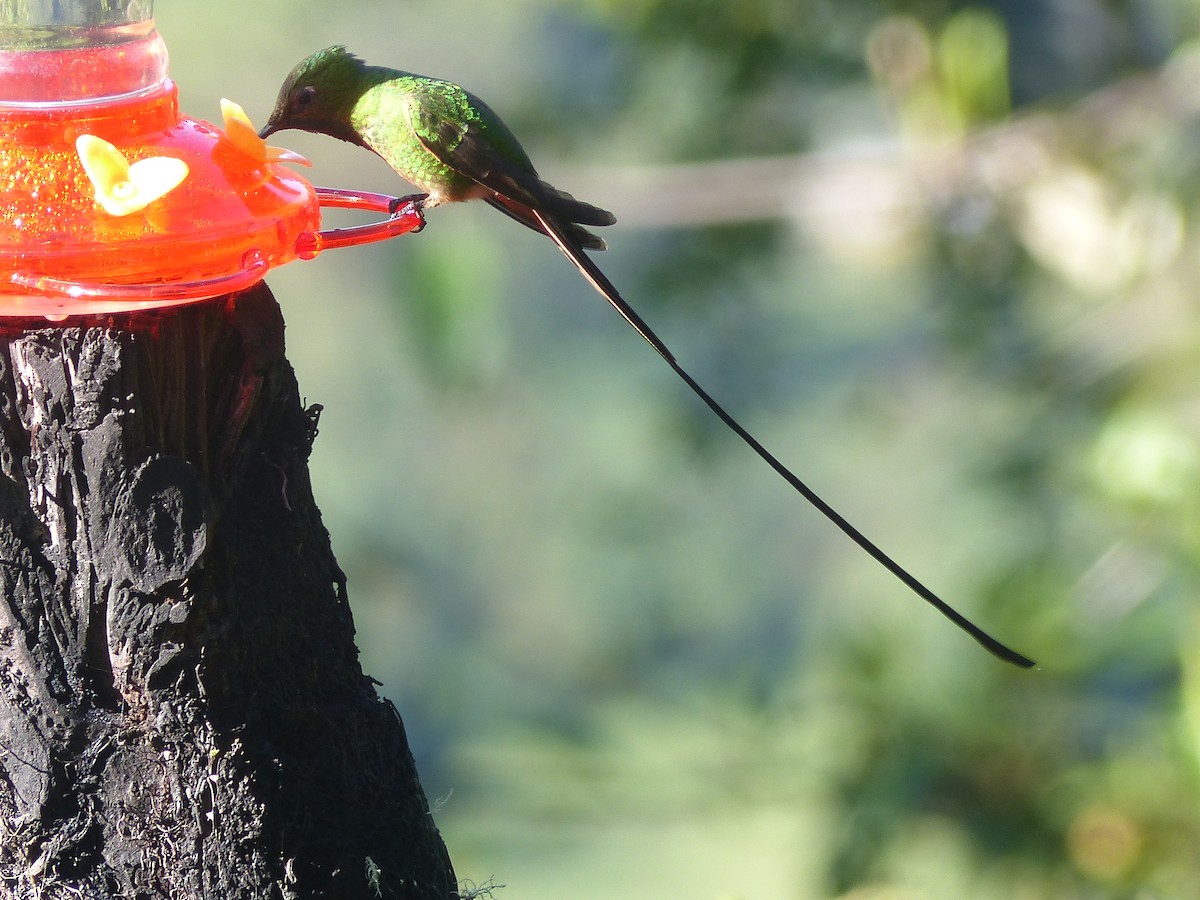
[411, 202]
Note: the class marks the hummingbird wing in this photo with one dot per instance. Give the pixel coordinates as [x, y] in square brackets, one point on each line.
[525, 215]
[479, 146]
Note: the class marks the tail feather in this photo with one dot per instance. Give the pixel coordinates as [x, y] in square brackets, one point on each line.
[524, 215]
[572, 250]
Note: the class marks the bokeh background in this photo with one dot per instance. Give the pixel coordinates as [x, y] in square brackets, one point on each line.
[943, 259]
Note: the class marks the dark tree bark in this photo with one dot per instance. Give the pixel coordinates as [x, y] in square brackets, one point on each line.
[182, 710]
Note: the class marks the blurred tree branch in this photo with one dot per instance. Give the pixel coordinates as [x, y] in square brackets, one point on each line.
[900, 179]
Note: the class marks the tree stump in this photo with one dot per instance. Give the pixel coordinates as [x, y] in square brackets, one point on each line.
[182, 709]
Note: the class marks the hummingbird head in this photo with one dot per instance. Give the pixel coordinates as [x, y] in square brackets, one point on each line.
[318, 95]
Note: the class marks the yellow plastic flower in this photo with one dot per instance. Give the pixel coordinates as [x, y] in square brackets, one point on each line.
[242, 133]
[122, 188]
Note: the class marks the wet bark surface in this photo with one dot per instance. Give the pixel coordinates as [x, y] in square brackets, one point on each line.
[182, 709]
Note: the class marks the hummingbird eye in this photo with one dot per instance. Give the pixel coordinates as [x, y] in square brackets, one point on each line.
[305, 96]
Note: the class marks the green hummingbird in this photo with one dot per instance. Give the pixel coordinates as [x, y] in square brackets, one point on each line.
[449, 144]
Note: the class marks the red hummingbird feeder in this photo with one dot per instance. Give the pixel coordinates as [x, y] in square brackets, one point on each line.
[111, 200]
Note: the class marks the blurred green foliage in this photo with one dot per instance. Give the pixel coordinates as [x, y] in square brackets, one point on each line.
[941, 258]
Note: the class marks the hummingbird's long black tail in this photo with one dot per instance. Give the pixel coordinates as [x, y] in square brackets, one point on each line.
[600, 282]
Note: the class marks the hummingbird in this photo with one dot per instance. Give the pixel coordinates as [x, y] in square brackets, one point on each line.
[450, 145]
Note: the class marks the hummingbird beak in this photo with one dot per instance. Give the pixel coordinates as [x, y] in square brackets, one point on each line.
[267, 130]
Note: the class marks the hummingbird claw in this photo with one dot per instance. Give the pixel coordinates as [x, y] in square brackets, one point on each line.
[417, 201]
[413, 202]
